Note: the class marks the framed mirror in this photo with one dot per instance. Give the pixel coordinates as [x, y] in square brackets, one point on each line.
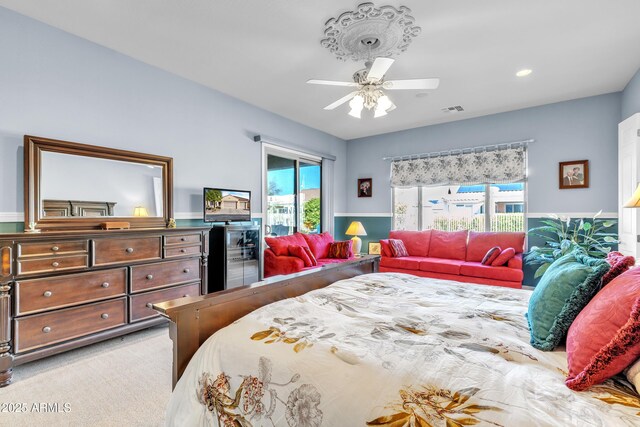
[76, 186]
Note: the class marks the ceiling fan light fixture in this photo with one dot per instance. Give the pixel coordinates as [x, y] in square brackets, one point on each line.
[379, 112]
[356, 112]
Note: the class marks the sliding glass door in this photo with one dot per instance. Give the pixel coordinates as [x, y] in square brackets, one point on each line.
[293, 196]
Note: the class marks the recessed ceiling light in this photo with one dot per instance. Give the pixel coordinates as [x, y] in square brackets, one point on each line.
[524, 73]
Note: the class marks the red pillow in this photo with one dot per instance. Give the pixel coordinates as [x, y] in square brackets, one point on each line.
[504, 257]
[448, 244]
[298, 251]
[319, 244]
[491, 255]
[280, 245]
[619, 264]
[397, 248]
[312, 258]
[605, 337]
[385, 250]
[341, 249]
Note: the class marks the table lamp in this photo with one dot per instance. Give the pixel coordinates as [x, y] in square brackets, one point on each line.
[356, 229]
[634, 201]
[140, 211]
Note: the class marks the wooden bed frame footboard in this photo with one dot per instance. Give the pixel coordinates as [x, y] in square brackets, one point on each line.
[194, 319]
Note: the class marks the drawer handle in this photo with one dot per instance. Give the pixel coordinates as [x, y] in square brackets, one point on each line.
[47, 294]
[183, 239]
[104, 315]
[55, 249]
[185, 295]
[186, 270]
[149, 276]
[105, 285]
[149, 305]
[46, 329]
[129, 250]
[184, 251]
[55, 264]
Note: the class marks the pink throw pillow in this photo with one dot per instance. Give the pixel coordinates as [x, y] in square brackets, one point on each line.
[299, 252]
[491, 255]
[312, 258]
[341, 250]
[619, 264]
[605, 337]
[504, 257]
[280, 245]
[385, 250]
[397, 248]
[319, 244]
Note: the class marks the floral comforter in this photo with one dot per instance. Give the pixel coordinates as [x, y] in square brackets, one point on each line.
[390, 350]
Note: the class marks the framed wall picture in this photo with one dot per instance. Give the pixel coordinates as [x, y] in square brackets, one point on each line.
[364, 187]
[374, 248]
[574, 174]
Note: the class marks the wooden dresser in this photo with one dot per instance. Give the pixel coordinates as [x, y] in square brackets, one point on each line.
[61, 290]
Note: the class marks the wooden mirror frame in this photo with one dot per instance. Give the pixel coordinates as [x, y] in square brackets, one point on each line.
[34, 146]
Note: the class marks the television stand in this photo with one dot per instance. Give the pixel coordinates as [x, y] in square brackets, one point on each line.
[234, 256]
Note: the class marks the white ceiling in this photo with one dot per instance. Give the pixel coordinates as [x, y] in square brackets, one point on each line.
[263, 51]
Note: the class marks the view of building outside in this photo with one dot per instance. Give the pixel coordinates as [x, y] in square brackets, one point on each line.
[451, 208]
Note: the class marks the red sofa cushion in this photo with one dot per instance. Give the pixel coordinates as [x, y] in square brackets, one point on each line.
[298, 251]
[397, 248]
[476, 269]
[341, 250]
[504, 257]
[319, 244]
[481, 242]
[385, 250]
[449, 244]
[312, 257]
[280, 245]
[416, 242]
[275, 265]
[491, 255]
[515, 262]
[605, 337]
[407, 262]
[441, 265]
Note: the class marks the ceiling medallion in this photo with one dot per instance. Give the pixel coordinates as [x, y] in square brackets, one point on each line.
[370, 32]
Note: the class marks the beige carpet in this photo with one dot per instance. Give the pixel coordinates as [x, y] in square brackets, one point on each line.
[125, 381]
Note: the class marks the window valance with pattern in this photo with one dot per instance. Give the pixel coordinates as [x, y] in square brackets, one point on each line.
[486, 167]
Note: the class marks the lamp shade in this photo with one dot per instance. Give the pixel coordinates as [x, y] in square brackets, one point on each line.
[140, 211]
[634, 201]
[356, 229]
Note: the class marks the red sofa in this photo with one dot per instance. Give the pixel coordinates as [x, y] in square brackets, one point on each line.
[457, 256]
[278, 261]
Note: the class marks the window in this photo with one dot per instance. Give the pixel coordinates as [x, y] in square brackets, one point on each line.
[292, 193]
[459, 207]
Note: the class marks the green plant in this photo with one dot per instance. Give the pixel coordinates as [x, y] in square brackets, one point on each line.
[562, 235]
[311, 214]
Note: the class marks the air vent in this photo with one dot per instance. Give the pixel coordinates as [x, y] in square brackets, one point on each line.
[454, 109]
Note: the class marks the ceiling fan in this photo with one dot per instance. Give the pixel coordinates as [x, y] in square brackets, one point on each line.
[370, 84]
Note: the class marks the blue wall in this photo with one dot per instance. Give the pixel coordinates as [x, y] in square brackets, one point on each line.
[57, 85]
[631, 97]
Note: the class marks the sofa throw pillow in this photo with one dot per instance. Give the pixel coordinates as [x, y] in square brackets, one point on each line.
[397, 248]
[633, 375]
[565, 288]
[312, 257]
[504, 257]
[384, 248]
[280, 245]
[619, 264]
[491, 255]
[319, 244]
[605, 337]
[299, 252]
[342, 250]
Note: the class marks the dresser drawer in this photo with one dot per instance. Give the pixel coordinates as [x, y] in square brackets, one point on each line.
[62, 291]
[39, 330]
[52, 248]
[163, 274]
[171, 252]
[47, 265]
[115, 251]
[182, 239]
[140, 305]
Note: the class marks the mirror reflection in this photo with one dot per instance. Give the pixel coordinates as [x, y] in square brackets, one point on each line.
[80, 186]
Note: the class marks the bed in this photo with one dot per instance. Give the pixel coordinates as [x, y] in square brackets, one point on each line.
[389, 349]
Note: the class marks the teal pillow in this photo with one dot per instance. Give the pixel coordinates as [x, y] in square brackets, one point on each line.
[564, 290]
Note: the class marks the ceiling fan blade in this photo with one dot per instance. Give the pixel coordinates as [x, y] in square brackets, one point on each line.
[412, 84]
[331, 83]
[379, 68]
[341, 101]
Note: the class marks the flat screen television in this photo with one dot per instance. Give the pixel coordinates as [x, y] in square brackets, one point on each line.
[224, 205]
